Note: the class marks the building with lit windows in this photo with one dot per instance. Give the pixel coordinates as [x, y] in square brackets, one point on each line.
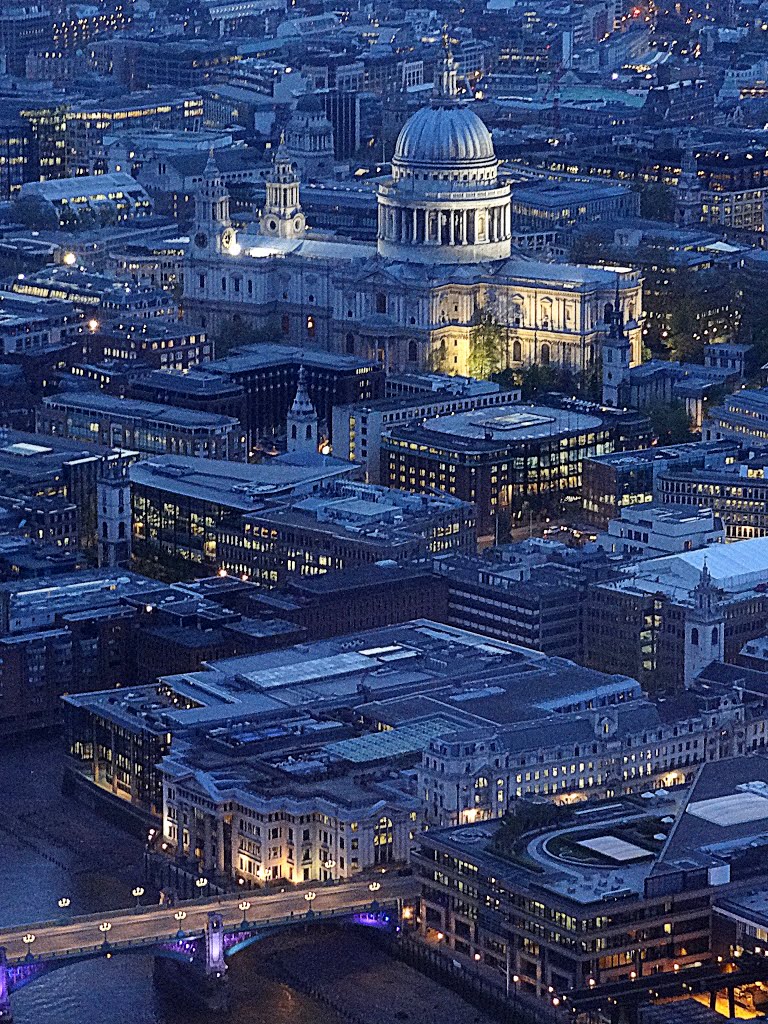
[499, 458]
[179, 503]
[157, 344]
[664, 620]
[89, 122]
[623, 478]
[443, 257]
[343, 525]
[562, 904]
[357, 428]
[72, 203]
[735, 489]
[143, 426]
[742, 417]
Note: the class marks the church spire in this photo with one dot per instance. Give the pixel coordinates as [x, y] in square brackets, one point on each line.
[302, 421]
[446, 87]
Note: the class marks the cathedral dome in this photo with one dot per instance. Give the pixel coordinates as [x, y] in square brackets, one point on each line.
[444, 136]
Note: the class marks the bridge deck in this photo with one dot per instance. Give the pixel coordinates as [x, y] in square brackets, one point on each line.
[70, 937]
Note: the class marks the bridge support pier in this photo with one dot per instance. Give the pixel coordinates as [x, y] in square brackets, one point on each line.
[203, 981]
[6, 1014]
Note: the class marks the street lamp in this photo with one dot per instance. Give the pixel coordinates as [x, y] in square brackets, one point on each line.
[179, 916]
[137, 893]
[105, 927]
[310, 897]
[64, 902]
[28, 939]
[201, 883]
[374, 886]
[245, 906]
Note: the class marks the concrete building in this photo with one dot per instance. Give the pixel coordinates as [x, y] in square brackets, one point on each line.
[735, 488]
[558, 206]
[358, 428]
[269, 376]
[75, 203]
[621, 479]
[663, 620]
[668, 863]
[343, 525]
[178, 502]
[149, 428]
[742, 417]
[650, 530]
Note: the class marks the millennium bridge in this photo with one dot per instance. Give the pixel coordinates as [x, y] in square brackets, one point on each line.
[199, 936]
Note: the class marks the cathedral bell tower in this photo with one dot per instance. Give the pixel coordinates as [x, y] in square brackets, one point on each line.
[302, 421]
[213, 231]
[616, 356]
[704, 627]
[282, 216]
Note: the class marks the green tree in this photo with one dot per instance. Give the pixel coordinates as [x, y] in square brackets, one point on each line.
[670, 422]
[657, 202]
[236, 332]
[486, 342]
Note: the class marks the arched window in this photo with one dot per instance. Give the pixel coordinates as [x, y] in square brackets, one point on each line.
[309, 432]
[121, 530]
[607, 312]
[545, 354]
[293, 432]
[104, 531]
[413, 352]
[715, 636]
[383, 841]
[517, 352]
[381, 302]
[350, 344]
[546, 314]
[695, 637]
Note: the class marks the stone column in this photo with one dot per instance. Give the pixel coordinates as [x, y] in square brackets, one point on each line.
[452, 227]
[415, 226]
[220, 845]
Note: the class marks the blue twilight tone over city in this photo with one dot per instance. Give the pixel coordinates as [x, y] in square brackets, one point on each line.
[383, 512]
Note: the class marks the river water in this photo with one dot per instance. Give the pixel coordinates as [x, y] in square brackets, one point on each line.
[52, 847]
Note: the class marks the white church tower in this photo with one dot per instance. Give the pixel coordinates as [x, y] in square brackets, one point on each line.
[302, 421]
[213, 228]
[704, 628]
[282, 216]
[113, 498]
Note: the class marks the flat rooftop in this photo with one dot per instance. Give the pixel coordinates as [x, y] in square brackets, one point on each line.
[130, 408]
[240, 486]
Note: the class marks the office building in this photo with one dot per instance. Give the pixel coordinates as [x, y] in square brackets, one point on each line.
[528, 456]
[582, 885]
[736, 489]
[343, 525]
[167, 346]
[269, 375]
[650, 530]
[663, 620]
[178, 503]
[620, 479]
[357, 428]
[143, 426]
[72, 204]
[742, 417]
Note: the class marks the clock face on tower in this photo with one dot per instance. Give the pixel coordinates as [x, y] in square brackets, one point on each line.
[228, 238]
[201, 240]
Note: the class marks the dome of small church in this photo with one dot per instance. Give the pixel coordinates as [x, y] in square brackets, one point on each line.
[444, 137]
